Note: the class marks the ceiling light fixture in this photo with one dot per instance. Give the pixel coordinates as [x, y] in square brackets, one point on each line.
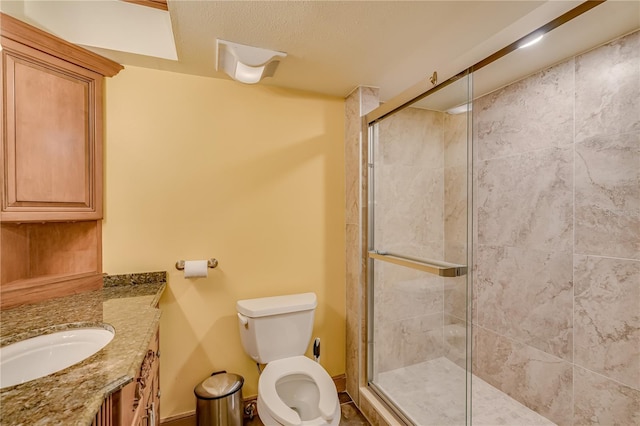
[460, 109]
[530, 41]
[246, 64]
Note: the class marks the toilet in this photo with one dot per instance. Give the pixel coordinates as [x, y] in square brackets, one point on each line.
[292, 389]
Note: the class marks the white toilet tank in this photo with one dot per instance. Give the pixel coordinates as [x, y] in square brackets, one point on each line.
[277, 327]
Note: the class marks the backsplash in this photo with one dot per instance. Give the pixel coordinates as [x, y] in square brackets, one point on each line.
[135, 278]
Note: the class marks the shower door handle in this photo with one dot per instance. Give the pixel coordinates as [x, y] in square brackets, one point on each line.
[442, 269]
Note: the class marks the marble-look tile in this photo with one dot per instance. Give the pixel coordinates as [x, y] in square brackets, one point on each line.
[490, 407]
[607, 317]
[455, 296]
[441, 386]
[408, 212]
[608, 89]
[530, 294]
[352, 350]
[455, 207]
[405, 342]
[455, 340]
[353, 250]
[385, 273]
[517, 118]
[411, 137]
[527, 200]
[352, 188]
[398, 300]
[352, 150]
[369, 99]
[607, 196]
[456, 251]
[360, 102]
[352, 118]
[600, 401]
[538, 380]
[455, 140]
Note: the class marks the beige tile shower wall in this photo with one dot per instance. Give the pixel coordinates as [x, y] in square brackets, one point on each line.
[557, 244]
[409, 220]
[361, 101]
[455, 235]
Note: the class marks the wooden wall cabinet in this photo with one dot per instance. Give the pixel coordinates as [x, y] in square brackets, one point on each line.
[50, 165]
[53, 148]
[52, 127]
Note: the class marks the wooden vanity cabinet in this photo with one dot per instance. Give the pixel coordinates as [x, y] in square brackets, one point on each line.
[138, 403]
[50, 165]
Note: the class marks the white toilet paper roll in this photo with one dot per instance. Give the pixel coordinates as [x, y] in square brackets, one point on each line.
[195, 269]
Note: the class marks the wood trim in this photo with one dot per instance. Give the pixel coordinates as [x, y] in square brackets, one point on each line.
[104, 417]
[183, 419]
[35, 261]
[21, 32]
[35, 290]
[340, 382]
[156, 4]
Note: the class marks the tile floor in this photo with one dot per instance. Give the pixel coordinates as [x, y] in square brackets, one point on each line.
[432, 393]
[435, 390]
[350, 415]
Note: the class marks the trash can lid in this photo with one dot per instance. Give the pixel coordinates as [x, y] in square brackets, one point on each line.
[219, 385]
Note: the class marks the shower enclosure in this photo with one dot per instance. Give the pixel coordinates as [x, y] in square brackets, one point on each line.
[503, 235]
[418, 254]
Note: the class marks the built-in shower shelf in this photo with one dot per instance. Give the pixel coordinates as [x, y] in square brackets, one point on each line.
[443, 269]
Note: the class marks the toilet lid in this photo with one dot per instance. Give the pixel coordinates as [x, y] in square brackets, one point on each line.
[276, 370]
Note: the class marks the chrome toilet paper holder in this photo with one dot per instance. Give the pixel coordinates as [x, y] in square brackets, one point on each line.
[211, 263]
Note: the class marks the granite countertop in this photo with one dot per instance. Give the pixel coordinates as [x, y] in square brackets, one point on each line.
[74, 395]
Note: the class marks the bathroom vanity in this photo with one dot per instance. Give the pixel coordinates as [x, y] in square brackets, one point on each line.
[119, 385]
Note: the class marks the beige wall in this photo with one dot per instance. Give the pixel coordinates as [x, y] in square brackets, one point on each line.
[251, 175]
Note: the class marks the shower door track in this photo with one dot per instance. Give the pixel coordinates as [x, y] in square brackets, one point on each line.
[393, 406]
[442, 269]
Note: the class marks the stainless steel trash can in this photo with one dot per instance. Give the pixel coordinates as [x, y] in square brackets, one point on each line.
[219, 400]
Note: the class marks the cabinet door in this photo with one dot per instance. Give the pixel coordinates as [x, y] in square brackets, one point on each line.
[52, 141]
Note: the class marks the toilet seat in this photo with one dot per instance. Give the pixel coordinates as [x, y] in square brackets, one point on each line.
[278, 369]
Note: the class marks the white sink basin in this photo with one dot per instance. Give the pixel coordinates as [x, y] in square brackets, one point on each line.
[40, 356]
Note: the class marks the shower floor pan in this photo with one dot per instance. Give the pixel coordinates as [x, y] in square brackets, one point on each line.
[431, 394]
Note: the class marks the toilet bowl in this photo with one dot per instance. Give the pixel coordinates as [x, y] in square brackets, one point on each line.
[297, 391]
[292, 389]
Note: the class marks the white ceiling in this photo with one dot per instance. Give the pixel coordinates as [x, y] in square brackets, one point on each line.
[334, 46]
[606, 22]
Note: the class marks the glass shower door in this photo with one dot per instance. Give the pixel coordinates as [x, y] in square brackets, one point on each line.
[418, 249]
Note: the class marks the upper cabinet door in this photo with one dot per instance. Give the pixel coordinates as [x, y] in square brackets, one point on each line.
[52, 139]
